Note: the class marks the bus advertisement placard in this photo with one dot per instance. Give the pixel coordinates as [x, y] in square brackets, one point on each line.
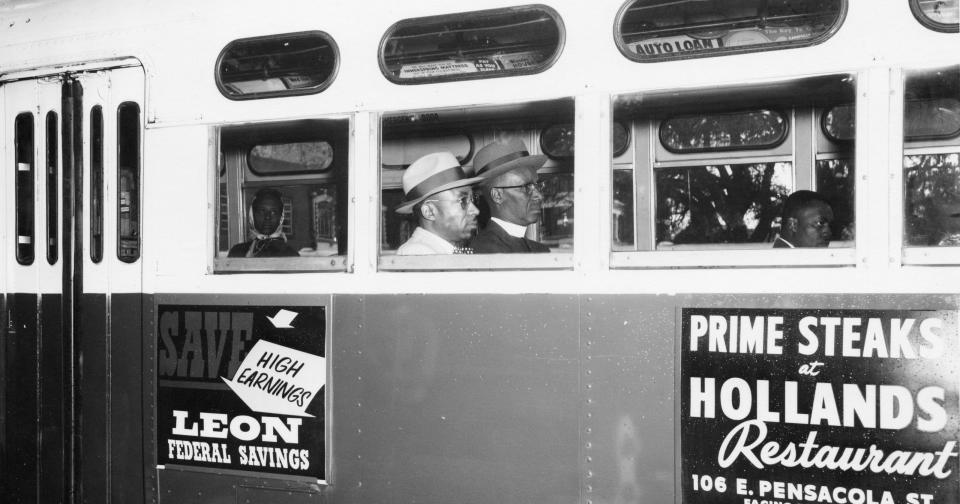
[242, 388]
[843, 406]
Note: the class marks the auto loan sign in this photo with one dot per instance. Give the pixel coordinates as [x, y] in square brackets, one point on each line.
[819, 406]
[241, 387]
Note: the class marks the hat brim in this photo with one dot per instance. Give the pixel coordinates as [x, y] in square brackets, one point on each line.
[531, 162]
[407, 206]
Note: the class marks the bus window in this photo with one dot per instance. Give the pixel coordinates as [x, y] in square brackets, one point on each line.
[472, 45]
[658, 30]
[128, 182]
[52, 160]
[282, 193]
[931, 129]
[471, 181]
[713, 169]
[277, 65]
[939, 15]
[96, 184]
[23, 139]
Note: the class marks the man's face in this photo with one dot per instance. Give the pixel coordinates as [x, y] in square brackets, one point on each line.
[455, 214]
[266, 215]
[519, 205]
[813, 226]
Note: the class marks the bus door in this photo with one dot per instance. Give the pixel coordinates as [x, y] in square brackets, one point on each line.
[70, 359]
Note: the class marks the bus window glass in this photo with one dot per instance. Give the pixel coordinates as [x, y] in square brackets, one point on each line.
[657, 30]
[708, 174]
[52, 160]
[924, 119]
[519, 194]
[931, 148]
[277, 65]
[939, 15]
[96, 184]
[838, 123]
[472, 45]
[128, 182]
[24, 148]
[752, 129]
[282, 194]
[720, 204]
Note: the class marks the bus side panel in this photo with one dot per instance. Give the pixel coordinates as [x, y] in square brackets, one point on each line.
[93, 397]
[627, 347]
[53, 396]
[465, 397]
[19, 442]
[126, 415]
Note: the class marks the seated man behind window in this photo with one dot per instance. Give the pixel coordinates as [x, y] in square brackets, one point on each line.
[514, 194]
[265, 221]
[437, 191]
[805, 222]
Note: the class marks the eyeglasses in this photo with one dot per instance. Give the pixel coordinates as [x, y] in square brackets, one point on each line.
[529, 187]
[464, 200]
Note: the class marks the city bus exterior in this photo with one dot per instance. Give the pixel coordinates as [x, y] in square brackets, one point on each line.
[661, 351]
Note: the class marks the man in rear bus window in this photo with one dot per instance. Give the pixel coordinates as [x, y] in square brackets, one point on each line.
[805, 222]
[265, 220]
[514, 194]
[437, 191]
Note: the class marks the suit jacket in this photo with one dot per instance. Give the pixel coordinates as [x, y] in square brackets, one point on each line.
[781, 243]
[274, 247]
[495, 240]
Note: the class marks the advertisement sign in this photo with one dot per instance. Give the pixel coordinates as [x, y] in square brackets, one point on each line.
[242, 387]
[819, 406]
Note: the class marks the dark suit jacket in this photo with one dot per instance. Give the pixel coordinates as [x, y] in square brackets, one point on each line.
[495, 240]
[273, 248]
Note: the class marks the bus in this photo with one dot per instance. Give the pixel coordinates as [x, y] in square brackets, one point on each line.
[664, 347]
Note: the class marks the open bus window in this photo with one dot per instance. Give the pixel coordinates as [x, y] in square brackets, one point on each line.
[277, 65]
[931, 149]
[472, 45]
[712, 170]
[282, 191]
[657, 30]
[939, 15]
[24, 148]
[452, 179]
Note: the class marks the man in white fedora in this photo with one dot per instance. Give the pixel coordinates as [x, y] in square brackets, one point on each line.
[438, 192]
[514, 193]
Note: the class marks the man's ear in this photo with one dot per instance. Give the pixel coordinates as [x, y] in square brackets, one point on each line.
[496, 195]
[428, 211]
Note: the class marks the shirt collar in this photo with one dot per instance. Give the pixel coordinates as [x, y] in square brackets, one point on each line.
[436, 242]
[514, 230]
[785, 241]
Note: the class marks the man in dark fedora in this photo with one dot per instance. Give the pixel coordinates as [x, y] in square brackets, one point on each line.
[514, 194]
[438, 192]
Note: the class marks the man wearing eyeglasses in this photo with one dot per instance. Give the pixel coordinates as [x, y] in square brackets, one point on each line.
[514, 194]
[805, 221]
[438, 192]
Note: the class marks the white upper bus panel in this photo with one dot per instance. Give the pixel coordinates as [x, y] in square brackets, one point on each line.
[277, 65]
[659, 30]
[472, 45]
[939, 15]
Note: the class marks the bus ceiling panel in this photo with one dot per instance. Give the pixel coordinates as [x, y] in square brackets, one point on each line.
[535, 113]
[304, 130]
[818, 91]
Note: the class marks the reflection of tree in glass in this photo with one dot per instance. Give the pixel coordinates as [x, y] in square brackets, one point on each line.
[720, 203]
[835, 181]
[931, 181]
[622, 208]
[756, 128]
[557, 218]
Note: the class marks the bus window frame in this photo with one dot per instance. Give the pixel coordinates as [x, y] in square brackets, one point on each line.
[929, 23]
[532, 70]
[218, 265]
[221, 86]
[727, 51]
[650, 155]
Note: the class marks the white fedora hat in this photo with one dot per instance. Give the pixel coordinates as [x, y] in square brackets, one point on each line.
[498, 158]
[429, 175]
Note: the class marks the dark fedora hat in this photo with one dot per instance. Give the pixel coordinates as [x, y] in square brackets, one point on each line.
[430, 175]
[500, 157]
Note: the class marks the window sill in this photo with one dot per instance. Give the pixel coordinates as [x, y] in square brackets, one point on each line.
[724, 258]
[551, 261]
[279, 264]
